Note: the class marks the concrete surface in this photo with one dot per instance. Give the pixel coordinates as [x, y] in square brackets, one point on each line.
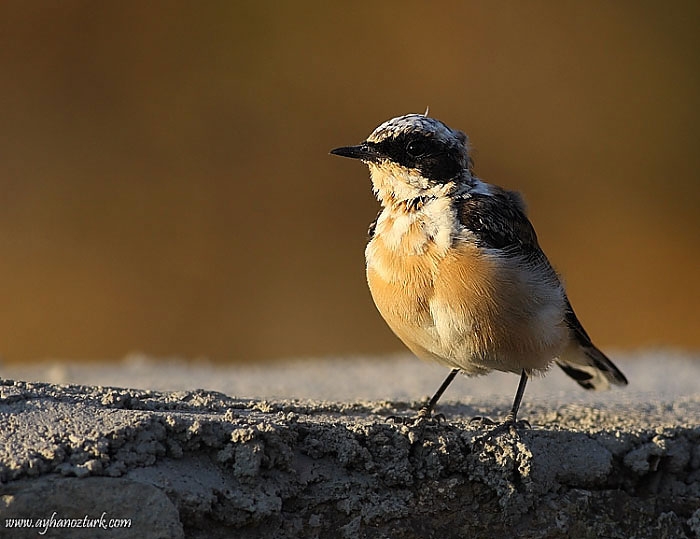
[292, 453]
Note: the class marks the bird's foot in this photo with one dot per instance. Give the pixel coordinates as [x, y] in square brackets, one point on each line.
[482, 421]
[509, 425]
[425, 417]
[509, 421]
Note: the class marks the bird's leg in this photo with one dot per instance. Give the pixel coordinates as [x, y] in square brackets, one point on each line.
[427, 410]
[511, 418]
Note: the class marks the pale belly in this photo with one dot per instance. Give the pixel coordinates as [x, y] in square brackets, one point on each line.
[467, 309]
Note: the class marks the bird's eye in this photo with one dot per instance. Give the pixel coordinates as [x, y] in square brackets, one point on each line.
[416, 147]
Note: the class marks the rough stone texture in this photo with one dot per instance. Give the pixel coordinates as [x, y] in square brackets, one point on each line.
[200, 464]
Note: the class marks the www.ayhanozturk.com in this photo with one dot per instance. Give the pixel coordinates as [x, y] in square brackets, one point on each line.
[54, 521]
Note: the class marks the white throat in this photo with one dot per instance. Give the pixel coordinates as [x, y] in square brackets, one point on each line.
[393, 184]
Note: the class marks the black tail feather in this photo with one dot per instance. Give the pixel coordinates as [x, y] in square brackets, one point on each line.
[584, 362]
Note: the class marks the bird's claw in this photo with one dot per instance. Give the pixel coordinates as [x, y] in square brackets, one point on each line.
[510, 425]
[424, 417]
[482, 421]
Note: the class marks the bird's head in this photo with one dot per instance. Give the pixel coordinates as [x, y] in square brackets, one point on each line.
[413, 156]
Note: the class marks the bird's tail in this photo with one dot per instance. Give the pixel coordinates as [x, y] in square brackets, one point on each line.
[584, 362]
[590, 367]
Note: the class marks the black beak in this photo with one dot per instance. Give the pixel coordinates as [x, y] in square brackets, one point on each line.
[363, 152]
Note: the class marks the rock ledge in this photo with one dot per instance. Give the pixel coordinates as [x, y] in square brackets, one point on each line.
[200, 464]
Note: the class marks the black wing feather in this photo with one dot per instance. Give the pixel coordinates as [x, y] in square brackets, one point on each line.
[498, 221]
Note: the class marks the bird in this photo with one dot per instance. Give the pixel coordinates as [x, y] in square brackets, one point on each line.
[455, 269]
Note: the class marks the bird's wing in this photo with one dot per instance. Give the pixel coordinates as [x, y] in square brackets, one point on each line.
[498, 221]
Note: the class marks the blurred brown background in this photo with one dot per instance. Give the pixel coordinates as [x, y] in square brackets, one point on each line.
[165, 183]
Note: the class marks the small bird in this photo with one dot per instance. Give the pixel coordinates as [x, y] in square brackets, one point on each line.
[455, 269]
